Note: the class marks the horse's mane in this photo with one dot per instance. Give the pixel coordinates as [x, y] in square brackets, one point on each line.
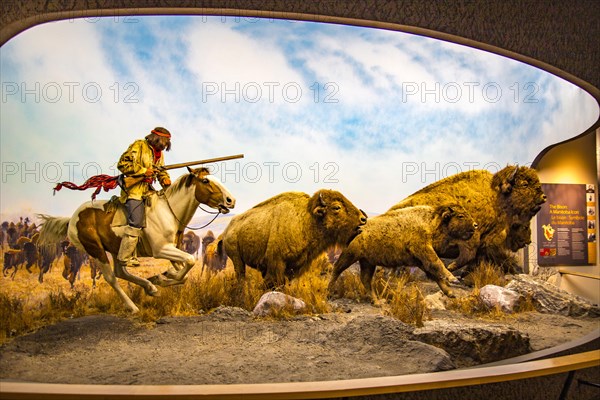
[185, 181]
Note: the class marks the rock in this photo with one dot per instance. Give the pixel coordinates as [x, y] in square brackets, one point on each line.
[496, 296]
[554, 280]
[473, 343]
[224, 313]
[277, 301]
[435, 301]
[366, 336]
[547, 298]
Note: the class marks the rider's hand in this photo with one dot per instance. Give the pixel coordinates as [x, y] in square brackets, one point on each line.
[166, 183]
[149, 172]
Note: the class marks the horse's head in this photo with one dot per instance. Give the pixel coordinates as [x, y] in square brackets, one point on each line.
[209, 190]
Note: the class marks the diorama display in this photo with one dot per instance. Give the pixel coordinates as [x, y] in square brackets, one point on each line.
[433, 320]
[380, 224]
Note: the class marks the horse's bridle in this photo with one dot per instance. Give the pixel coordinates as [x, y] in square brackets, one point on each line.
[199, 206]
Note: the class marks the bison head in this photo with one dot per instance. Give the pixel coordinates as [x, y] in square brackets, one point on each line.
[518, 236]
[339, 219]
[520, 191]
[457, 221]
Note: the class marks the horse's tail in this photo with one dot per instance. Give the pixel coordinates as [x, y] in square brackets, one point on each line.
[54, 229]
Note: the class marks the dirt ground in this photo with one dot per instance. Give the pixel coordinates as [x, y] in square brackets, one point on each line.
[229, 345]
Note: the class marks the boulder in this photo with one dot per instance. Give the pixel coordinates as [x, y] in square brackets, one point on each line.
[435, 301]
[505, 299]
[470, 343]
[547, 298]
[276, 301]
[368, 336]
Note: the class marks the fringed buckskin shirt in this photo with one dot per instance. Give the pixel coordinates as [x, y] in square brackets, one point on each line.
[135, 161]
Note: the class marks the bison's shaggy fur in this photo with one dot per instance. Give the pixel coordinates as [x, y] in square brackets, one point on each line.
[190, 243]
[407, 237]
[502, 204]
[206, 240]
[215, 258]
[12, 259]
[282, 235]
[72, 261]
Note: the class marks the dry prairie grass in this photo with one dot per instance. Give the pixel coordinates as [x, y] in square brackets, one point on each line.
[402, 297]
[399, 294]
[26, 305]
[485, 274]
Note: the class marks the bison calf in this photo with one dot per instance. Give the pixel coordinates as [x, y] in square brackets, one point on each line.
[407, 237]
[502, 204]
[282, 235]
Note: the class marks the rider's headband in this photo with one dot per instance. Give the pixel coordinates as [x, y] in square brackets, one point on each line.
[163, 134]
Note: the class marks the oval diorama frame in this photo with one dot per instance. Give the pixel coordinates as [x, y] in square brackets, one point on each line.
[560, 39]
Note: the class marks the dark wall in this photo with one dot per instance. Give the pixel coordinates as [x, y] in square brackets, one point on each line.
[561, 34]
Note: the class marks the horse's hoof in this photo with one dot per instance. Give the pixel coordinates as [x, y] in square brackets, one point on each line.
[160, 280]
[157, 280]
[170, 274]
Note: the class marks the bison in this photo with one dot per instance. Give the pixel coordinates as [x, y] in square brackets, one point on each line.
[206, 240]
[31, 255]
[502, 204]
[12, 259]
[281, 236]
[24, 251]
[72, 261]
[406, 237]
[215, 258]
[12, 235]
[190, 243]
[48, 253]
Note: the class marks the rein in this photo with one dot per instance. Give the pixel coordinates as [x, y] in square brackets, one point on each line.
[207, 211]
[189, 227]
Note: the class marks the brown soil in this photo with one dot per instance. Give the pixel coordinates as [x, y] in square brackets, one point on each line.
[229, 345]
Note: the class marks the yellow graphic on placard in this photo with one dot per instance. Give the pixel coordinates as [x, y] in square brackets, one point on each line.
[548, 232]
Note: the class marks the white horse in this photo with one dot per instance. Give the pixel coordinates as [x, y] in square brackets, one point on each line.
[91, 229]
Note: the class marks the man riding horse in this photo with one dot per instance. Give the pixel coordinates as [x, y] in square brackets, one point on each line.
[155, 225]
[143, 158]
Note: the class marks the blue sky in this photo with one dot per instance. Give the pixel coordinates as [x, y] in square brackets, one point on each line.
[375, 114]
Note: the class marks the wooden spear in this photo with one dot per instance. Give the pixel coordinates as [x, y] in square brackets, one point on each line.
[128, 181]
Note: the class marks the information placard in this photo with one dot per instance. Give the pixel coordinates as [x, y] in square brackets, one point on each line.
[566, 225]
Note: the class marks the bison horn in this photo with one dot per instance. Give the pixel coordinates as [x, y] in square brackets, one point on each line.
[321, 201]
[514, 174]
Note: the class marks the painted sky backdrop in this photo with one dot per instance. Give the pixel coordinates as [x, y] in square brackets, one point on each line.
[375, 114]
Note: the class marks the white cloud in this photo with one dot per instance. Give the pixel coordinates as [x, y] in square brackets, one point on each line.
[218, 54]
[370, 144]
